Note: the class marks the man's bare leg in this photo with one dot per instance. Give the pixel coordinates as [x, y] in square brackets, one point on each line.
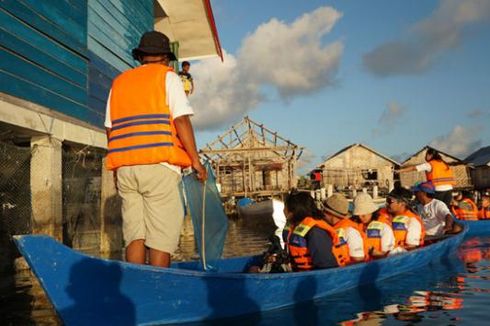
[159, 258]
[136, 252]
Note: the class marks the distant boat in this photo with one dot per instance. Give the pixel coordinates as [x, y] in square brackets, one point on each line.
[90, 291]
[248, 208]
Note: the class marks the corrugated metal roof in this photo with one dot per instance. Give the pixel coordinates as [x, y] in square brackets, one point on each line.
[480, 157]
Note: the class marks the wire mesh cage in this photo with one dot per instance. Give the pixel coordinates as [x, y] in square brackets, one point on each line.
[81, 168]
[15, 198]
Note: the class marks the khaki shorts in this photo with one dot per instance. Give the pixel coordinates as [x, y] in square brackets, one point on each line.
[152, 207]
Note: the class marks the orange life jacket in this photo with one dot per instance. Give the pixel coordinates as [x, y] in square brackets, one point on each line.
[143, 130]
[400, 227]
[440, 174]
[484, 213]
[374, 228]
[341, 227]
[462, 213]
[298, 247]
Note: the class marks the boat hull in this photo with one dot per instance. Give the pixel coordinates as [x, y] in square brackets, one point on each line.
[86, 290]
[477, 228]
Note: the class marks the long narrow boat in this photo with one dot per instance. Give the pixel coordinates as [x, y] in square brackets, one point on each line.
[90, 291]
[476, 228]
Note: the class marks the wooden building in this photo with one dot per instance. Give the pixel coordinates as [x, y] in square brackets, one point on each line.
[250, 160]
[479, 161]
[460, 169]
[358, 166]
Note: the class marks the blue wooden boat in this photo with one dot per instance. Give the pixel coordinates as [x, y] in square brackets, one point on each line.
[476, 228]
[90, 291]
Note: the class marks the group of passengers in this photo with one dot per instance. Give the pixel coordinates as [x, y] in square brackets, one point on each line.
[332, 237]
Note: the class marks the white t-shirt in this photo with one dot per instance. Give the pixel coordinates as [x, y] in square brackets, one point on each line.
[434, 216]
[426, 167]
[177, 101]
[279, 218]
[355, 242]
[414, 232]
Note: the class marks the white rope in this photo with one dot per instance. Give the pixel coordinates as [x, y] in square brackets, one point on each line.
[203, 240]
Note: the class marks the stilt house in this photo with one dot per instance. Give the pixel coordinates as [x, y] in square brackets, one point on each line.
[252, 161]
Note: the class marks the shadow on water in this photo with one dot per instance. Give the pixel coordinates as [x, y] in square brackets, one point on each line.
[94, 288]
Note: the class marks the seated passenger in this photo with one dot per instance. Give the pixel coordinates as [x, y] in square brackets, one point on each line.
[312, 243]
[484, 212]
[336, 210]
[464, 208]
[380, 239]
[408, 227]
[434, 213]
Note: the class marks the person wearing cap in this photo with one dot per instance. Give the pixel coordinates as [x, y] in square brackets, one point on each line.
[310, 241]
[438, 172]
[484, 212]
[463, 207]
[408, 228]
[150, 139]
[434, 213]
[380, 239]
[336, 211]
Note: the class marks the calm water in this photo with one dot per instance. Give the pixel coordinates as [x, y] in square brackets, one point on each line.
[456, 292]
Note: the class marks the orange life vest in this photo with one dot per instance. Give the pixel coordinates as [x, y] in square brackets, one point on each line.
[484, 213]
[440, 174]
[341, 227]
[298, 247]
[465, 214]
[143, 130]
[400, 227]
[374, 228]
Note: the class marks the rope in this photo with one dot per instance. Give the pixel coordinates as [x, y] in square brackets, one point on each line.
[203, 240]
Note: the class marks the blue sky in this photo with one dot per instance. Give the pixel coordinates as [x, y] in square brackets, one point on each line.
[393, 74]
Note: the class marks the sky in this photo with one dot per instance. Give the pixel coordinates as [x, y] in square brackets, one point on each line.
[395, 75]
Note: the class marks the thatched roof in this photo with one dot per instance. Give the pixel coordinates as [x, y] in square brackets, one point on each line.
[363, 146]
[453, 158]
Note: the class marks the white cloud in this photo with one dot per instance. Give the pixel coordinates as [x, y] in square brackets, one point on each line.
[289, 58]
[427, 40]
[460, 142]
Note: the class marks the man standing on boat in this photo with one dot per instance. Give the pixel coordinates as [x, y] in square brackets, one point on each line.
[150, 139]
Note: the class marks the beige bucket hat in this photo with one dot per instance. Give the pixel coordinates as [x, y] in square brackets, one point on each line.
[363, 204]
[337, 205]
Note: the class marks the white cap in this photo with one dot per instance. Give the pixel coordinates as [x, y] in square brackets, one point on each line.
[363, 204]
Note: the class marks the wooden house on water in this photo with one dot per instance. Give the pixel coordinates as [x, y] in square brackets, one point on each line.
[480, 172]
[358, 166]
[250, 160]
[460, 169]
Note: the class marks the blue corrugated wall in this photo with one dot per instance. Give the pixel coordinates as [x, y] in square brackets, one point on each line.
[64, 54]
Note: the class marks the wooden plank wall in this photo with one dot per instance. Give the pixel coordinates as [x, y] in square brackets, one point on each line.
[43, 55]
[64, 54]
[114, 29]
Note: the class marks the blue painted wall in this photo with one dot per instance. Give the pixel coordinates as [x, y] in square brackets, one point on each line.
[114, 29]
[64, 54]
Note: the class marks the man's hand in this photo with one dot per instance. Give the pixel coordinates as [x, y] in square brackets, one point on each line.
[201, 172]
